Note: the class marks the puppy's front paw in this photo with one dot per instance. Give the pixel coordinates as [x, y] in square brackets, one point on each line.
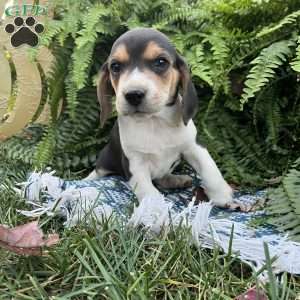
[220, 196]
[154, 194]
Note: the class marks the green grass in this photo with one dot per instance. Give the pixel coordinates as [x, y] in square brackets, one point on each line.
[110, 261]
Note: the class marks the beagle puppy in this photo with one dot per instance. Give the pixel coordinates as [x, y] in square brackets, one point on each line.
[155, 101]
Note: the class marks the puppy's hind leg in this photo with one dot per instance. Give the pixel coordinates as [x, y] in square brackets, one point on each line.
[172, 181]
[96, 174]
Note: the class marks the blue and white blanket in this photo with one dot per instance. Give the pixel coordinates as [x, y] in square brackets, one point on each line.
[80, 200]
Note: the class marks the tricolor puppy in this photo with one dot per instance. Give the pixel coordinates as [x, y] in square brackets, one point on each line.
[155, 101]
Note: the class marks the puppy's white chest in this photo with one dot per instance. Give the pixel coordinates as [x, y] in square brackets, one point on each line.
[154, 143]
[152, 135]
[160, 164]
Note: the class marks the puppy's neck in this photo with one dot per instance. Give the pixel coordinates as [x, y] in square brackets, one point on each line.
[170, 116]
[157, 133]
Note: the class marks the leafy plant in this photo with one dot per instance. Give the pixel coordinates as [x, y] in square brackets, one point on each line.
[284, 204]
[245, 60]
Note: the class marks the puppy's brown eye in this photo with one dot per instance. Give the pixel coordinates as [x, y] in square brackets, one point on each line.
[115, 67]
[160, 64]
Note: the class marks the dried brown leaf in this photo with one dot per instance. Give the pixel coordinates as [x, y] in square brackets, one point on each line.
[27, 239]
[253, 294]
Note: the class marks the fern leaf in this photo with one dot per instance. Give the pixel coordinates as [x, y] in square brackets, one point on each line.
[219, 48]
[53, 29]
[56, 79]
[295, 64]
[199, 67]
[270, 59]
[82, 55]
[45, 148]
[85, 43]
[284, 205]
[289, 19]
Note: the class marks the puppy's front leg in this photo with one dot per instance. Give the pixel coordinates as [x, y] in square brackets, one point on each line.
[96, 174]
[217, 189]
[141, 182]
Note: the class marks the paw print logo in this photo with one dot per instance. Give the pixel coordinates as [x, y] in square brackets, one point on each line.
[24, 32]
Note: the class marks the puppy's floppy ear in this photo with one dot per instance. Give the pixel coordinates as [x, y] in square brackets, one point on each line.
[104, 93]
[189, 94]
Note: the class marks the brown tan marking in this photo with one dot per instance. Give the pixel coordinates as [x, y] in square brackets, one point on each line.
[120, 54]
[174, 81]
[152, 51]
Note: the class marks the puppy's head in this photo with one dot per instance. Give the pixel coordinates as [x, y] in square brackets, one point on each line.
[145, 73]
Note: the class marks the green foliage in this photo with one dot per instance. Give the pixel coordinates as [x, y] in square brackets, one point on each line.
[245, 61]
[21, 148]
[265, 65]
[284, 204]
[290, 19]
[296, 62]
[45, 149]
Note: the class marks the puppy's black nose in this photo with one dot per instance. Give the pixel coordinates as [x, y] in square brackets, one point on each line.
[135, 97]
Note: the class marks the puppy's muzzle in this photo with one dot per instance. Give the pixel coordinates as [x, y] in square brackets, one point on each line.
[135, 97]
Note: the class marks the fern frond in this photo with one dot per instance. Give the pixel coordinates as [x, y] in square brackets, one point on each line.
[182, 14]
[77, 129]
[284, 206]
[21, 148]
[270, 59]
[45, 148]
[82, 55]
[288, 20]
[85, 43]
[56, 79]
[71, 92]
[53, 28]
[295, 64]
[267, 108]
[17, 149]
[219, 49]
[218, 61]
[199, 67]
